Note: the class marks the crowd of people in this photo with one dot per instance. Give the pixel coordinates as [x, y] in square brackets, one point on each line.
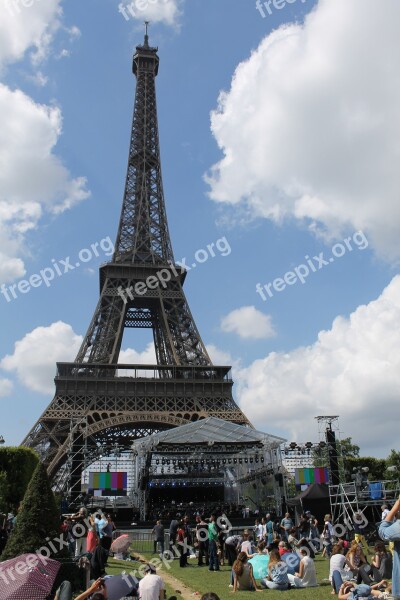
[290, 551]
[274, 554]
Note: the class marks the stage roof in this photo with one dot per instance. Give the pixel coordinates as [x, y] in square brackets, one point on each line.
[209, 430]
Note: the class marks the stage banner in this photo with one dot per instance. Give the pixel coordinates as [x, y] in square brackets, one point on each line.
[307, 476]
[110, 483]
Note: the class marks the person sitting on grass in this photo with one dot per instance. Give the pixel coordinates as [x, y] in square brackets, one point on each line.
[307, 575]
[261, 549]
[243, 578]
[349, 591]
[283, 548]
[337, 564]
[380, 567]
[356, 558]
[117, 586]
[277, 578]
[97, 591]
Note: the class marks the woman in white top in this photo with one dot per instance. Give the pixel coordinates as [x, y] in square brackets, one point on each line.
[338, 562]
[307, 575]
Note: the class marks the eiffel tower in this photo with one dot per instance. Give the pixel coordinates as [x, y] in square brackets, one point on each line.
[98, 402]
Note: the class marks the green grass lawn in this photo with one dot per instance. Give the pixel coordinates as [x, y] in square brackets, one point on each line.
[201, 580]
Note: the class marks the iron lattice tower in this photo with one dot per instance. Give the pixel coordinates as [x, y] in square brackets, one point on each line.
[98, 402]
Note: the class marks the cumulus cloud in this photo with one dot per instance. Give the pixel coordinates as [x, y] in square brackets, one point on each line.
[248, 323]
[132, 357]
[218, 356]
[310, 126]
[28, 136]
[155, 11]
[352, 370]
[6, 387]
[35, 355]
[23, 28]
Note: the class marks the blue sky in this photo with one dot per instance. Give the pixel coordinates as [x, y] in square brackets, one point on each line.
[299, 155]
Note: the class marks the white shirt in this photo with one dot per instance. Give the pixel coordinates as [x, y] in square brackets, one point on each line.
[336, 563]
[258, 530]
[150, 586]
[246, 547]
[309, 578]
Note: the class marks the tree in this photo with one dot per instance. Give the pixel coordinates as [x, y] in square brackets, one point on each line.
[393, 460]
[4, 493]
[16, 468]
[376, 466]
[37, 519]
[347, 451]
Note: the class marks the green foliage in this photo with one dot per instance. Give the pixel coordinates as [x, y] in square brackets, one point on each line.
[351, 460]
[37, 519]
[16, 468]
[347, 449]
[4, 493]
[376, 466]
[393, 460]
[291, 489]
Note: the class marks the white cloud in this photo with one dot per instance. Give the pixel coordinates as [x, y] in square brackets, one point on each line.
[218, 356]
[352, 370]
[6, 387]
[23, 28]
[28, 136]
[248, 323]
[155, 11]
[132, 357]
[310, 126]
[35, 355]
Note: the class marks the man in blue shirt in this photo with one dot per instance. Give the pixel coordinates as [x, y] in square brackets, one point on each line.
[286, 525]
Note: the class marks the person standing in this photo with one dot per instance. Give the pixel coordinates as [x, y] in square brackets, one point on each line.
[80, 530]
[181, 541]
[158, 533]
[173, 529]
[327, 535]
[106, 533]
[92, 537]
[212, 544]
[286, 525]
[258, 531]
[232, 545]
[202, 541]
[269, 530]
